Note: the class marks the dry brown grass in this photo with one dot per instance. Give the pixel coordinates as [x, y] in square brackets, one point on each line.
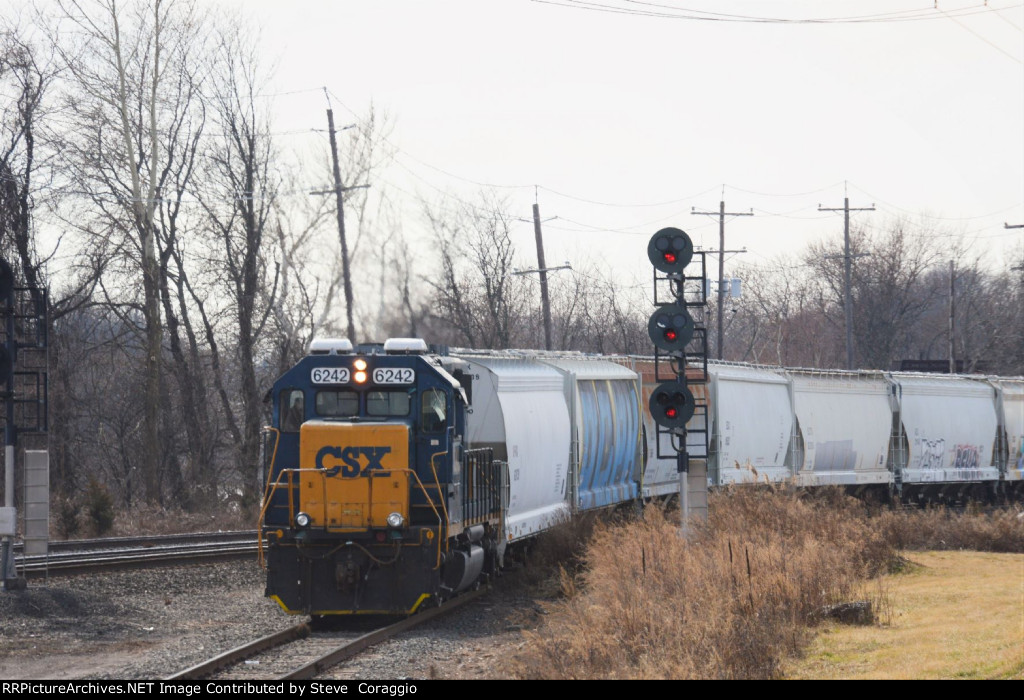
[943, 529]
[154, 520]
[561, 549]
[731, 601]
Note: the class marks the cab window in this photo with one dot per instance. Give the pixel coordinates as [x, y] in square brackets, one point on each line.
[337, 403]
[293, 410]
[387, 403]
[433, 411]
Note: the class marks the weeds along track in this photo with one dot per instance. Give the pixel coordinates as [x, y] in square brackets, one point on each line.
[91, 556]
[307, 650]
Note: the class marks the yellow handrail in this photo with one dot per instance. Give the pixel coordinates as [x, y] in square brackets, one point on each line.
[291, 471]
[266, 488]
[443, 506]
[273, 456]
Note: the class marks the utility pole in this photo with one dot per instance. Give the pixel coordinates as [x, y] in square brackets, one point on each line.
[848, 294]
[721, 214]
[338, 190]
[1020, 267]
[545, 303]
[952, 280]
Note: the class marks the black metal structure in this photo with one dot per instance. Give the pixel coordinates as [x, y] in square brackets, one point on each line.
[23, 372]
[678, 330]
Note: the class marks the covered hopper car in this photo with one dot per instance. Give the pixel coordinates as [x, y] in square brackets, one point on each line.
[396, 477]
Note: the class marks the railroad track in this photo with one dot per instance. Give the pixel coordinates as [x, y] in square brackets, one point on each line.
[301, 652]
[143, 541]
[86, 556]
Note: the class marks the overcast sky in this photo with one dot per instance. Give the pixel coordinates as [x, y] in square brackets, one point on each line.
[921, 114]
[620, 117]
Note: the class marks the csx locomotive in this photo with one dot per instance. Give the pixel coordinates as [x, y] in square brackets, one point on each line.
[396, 477]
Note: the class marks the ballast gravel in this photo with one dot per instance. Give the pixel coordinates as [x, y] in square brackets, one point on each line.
[150, 624]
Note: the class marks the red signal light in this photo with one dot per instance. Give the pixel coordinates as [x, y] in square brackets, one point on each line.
[670, 250]
[671, 327]
[671, 404]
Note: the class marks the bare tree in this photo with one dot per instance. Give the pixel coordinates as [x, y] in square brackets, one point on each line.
[889, 297]
[238, 198]
[777, 320]
[476, 294]
[132, 139]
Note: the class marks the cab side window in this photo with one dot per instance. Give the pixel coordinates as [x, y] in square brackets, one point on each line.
[293, 410]
[433, 414]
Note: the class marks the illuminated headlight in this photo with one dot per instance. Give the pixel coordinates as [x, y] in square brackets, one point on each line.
[302, 520]
[395, 520]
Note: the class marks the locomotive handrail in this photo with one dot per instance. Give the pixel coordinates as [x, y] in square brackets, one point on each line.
[290, 471]
[266, 492]
[444, 507]
[266, 505]
[273, 461]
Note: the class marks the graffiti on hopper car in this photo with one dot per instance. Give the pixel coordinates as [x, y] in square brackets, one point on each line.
[932, 452]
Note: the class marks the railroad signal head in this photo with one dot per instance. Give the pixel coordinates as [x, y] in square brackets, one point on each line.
[672, 404]
[671, 327]
[670, 250]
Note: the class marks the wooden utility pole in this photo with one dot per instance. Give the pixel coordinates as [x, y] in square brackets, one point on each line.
[721, 214]
[848, 293]
[339, 190]
[1021, 266]
[952, 281]
[542, 268]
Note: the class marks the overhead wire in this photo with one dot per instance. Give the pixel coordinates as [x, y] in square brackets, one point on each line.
[968, 29]
[664, 11]
[929, 216]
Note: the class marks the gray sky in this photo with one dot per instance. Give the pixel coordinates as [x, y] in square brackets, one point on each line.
[620, 122]
[918, 117]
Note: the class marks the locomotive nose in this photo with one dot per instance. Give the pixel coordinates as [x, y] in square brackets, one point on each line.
[354, 476]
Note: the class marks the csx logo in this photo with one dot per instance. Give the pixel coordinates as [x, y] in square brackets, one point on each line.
[349, 457]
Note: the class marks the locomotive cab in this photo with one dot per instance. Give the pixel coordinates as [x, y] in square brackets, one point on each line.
[371, 504]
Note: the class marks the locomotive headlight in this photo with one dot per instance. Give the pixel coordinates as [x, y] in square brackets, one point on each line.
[302, 520]
[359, 364]
[395, 520]
[359, 377]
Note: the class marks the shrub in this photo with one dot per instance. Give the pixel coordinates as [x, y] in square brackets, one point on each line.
[68, 512]
[99, 507]
[1000, 530]
[730, 601]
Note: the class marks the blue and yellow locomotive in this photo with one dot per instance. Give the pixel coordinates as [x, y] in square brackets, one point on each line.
[371, 503]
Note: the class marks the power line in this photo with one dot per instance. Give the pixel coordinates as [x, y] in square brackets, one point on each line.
[663, 11]
[965, 27]
[777, 194]
[624, 205]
